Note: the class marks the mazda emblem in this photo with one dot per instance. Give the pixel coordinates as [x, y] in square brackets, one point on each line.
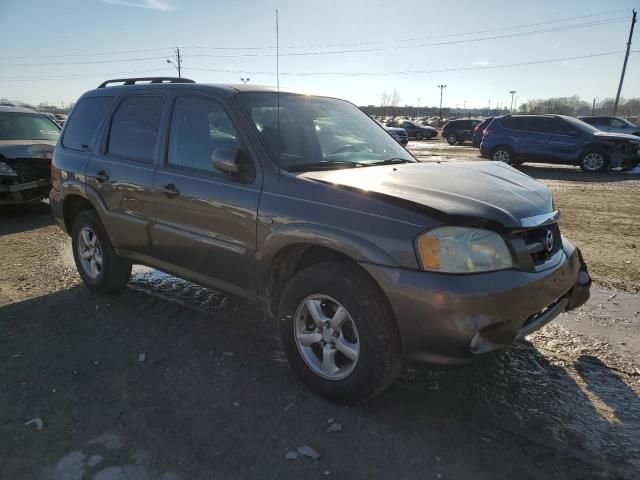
[548, 241]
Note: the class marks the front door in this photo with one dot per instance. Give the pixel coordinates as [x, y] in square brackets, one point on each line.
[205, 219]
[120, 171]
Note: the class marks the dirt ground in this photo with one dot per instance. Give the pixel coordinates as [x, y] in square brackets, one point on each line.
[171, 381]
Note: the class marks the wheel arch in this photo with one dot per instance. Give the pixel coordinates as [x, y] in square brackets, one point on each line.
[294, 249]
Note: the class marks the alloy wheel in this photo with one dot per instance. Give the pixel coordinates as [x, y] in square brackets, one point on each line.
[89, 252]
[326, 337]
[593, 161]
[502, 156]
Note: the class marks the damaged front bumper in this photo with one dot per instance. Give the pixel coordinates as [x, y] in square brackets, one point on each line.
[452, 319]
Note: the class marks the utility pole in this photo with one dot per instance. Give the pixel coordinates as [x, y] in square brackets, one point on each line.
[441, 87]
[593, 107]
[418, 112]
[489, 109]
[624, 65]
[178, 62]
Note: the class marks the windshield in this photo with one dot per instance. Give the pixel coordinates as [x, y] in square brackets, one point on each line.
[27, 126]
[580, 125]
[317, 129]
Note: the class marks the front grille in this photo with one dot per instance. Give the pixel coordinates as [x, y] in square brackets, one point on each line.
[537, 246]
[30, 169]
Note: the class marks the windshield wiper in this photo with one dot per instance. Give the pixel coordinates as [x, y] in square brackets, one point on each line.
[390, 161]
[327, 165]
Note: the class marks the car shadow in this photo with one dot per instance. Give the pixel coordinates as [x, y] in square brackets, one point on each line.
[24, 217]
[213, 396]
[574, 174]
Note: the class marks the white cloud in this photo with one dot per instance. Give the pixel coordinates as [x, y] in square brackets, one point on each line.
[148, 4]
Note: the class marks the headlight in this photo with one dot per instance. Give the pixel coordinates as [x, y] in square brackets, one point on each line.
[7, 170]
[463, 250]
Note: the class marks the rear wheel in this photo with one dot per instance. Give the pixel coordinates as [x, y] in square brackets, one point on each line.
[101, 270]
[594, 161]
[503, 154]
[452, 139]
[339, 332]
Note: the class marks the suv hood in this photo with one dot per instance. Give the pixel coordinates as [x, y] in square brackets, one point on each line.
[616, 136]
[482, 190]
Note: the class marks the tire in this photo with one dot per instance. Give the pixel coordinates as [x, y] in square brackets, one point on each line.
[419, 136]
[101, 270]
[593, 161]
[452, 138]
[504, 155]
[369, 330]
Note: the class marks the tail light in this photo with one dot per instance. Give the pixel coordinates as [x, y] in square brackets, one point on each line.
[477, 130]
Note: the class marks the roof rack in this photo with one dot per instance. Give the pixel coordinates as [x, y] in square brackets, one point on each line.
[133, 81]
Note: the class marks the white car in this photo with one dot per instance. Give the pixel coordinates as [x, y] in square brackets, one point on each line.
[612, 124]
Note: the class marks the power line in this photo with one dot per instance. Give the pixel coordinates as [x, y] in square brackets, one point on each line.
[402, 47]
[121, 60]
[418, 72]
[499, 29]
[77, 77]
[120, 52]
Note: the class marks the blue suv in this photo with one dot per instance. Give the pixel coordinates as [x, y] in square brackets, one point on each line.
[515, 139]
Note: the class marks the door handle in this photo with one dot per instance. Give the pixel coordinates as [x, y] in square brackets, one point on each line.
[170, 190]
[102, 176]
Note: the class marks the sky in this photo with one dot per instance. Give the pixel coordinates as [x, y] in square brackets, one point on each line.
[55, 51]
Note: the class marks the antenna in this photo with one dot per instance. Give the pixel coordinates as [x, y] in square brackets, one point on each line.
[278, 84]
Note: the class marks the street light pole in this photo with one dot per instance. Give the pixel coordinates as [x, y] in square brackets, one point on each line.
[441, 87]
[511, 92]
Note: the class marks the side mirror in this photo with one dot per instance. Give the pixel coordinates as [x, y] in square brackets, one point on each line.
[227, 160]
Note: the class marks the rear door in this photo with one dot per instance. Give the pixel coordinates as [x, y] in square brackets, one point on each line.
[120, 172]
[527, 136]
[205, 219]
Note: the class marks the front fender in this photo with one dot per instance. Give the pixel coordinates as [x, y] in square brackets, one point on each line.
[346, 243]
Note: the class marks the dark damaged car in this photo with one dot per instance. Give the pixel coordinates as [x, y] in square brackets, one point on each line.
[364, 257]
[27, 141]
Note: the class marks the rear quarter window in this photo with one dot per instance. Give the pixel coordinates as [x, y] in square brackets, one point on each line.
[87, 116]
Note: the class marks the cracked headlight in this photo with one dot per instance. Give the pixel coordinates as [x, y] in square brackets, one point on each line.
[463, 250]
[7, 170]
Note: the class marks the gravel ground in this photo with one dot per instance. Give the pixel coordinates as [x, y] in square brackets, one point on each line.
[173, 381]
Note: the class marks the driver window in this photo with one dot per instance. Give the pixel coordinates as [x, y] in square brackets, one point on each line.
[198, 127]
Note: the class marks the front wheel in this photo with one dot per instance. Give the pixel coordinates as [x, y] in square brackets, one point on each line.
[452, 139]
[339, 333]
[419, 136]
[594, 161]
[101, 270]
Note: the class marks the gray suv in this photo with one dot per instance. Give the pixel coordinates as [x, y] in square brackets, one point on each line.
[306, 207]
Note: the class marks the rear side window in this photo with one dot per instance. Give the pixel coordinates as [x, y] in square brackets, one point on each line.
[85, 120]
[514, 123]
[134, 128]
